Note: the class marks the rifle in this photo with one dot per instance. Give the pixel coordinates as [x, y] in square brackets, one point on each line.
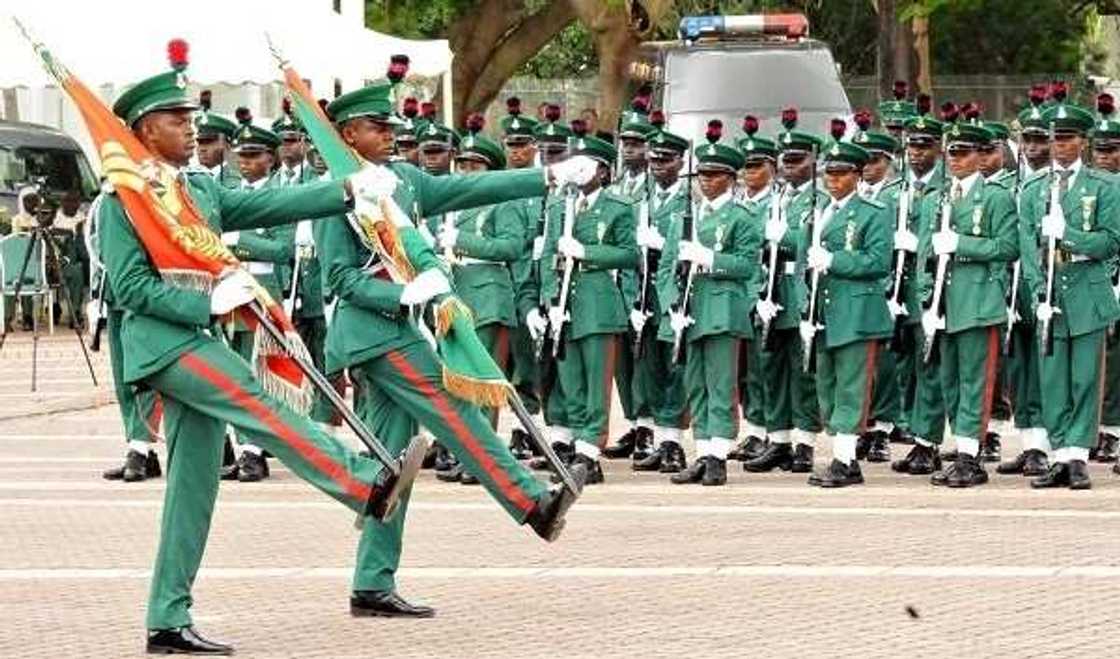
[937, 301]
[554, 337]
[1013, 302]
[810, 316]
[902, 224]
[777, 196]
[1053, 205]
[649, 265]
[688, 228]
[290, 302]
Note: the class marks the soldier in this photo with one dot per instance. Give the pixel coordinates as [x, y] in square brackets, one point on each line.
[397, 375]
[1074, 208]
[598, 243]
[1106, 158]
[847, 252]
[215, 135]
[971, 228]
[717, 257]
[792, 412]
[437, 144]
[661, 380]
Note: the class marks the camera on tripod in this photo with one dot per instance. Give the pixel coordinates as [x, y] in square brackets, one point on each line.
[47, 204]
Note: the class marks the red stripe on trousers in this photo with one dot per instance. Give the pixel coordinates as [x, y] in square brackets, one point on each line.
[608, 387]
[306, 450]
[989, 380]
[740, 346]
[1100, 382]
[459, 427]
[869, 386]
[155, 418]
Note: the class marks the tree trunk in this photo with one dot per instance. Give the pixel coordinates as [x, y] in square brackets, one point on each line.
[921, 49]
[885, 47]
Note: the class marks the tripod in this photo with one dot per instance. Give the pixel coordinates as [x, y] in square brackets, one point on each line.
[41, 235]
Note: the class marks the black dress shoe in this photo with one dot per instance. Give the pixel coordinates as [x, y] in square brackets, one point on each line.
[880, 448]
[643, 443]
[1079, 475]
[1031, 462]
[651, 462]
[990, 448]
[253, 468]
[715, 472]
[563, 451]
[467, 478]
[385, 493]
[776, 456]
[547, 518]
[452, 475]
[693, 474]
[838, 474]
[519, 444]
[184, 640]
[385, 604]
[1057, 476]
[674, 460]
[748, 449]
[949, 456]
[863, 444]
[623, 447]
[430, 457]
[228, 456]
[135, 467]
[593, 469]
[444, 459]
[1106, 449]
[920, 461]
[967, 472]
[901, 436]
[802, 462]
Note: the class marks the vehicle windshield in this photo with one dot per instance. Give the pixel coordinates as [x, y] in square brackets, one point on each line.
[62, 170]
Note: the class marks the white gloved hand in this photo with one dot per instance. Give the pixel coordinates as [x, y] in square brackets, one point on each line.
[577, 170]
[230, 238]
[536, 324]
[775, 230]
[767, 310]
[1054, 225]
[538, 248]
[424, 287]
[650, 238]
[819, 258]
[448, 235]
[569, 246]
[896, 308]
[556, 317]
[679, 322]
[637, 320]
[692, 251]
[945, 242]
[328, 310]
[231, 292]
[931, 323]
[1045, 312]
[807, 330]
[906, 241]
[372, 182]
[305, 236]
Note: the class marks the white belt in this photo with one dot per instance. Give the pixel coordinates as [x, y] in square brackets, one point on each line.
[1077, 258]
[260, 267]
[790, 267]
[466, 260]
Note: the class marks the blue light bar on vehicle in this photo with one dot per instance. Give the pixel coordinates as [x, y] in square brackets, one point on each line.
[792, 26]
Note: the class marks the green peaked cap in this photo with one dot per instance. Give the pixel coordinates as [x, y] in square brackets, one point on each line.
[374, 101]
[480, 146]
[1068, 117]
[848, 152]
[594, 147]
[212, 123]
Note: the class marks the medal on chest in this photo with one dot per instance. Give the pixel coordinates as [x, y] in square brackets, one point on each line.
[1088, 205]
[977, 218]
[849, 236]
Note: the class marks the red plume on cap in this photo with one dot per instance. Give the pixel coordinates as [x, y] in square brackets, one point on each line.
[789, 118]
[657, 119]
[837, 127]
[750, 124]
[475, 123]
[971, 111]
[177, 50]
[715, 131]
[552, 112]
[411, 107]
[949, 112]
[1037, 94]
[286, 106]
[863, 119]
[204, 99]
[428, 110]
[243, 115]
[900, 89]
[513, 105]
[640, 104]
[924, 103]
[1106, 105]
[579, 127]
[1058, 90]
[398, 68]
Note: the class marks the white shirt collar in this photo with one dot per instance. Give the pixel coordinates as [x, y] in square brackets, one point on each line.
[872, 190]
[966, 183]
[718, 202]
[762, 194]
[1074, 168]
[837, 204]
[255, 185]
[924, 178]
[672, 189]
[590, 199]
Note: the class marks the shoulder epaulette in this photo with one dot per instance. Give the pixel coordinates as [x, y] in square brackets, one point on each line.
[1035, 177]
[895, 182]
[873, 203]
[616, 197]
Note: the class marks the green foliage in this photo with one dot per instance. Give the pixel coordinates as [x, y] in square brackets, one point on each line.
[414, 19]
[571, 54]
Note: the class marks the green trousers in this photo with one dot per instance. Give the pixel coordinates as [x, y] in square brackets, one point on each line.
[927, 419]
[1110, 402]
[585, 378]
[141, 408]
[845, 377]
[1023, 376]
[885, 393]
[203, 391]
[1073, 375]
[525, 374]
[790, 392]
[394, 394]
[662, 384]
[313, 331]
[496, 338]
[968, 378]
[711, 376]
[752, 384]
[624, 376]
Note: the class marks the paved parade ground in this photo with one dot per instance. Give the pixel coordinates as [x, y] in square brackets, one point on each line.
[765, 567]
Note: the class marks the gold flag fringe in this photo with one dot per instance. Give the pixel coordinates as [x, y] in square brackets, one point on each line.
[485, 393]
[445, 314]
[297, 398]
[190, 280]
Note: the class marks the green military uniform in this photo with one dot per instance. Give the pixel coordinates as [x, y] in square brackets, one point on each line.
[209, 124]
[397, 376]
[1082, 292]
[1106, 134]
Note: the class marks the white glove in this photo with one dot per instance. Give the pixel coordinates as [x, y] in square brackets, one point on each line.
[231, 292]
[905, 241]
[650, 238]
[945, 242]
[425, 286]
[807, 331]
[896, 308]
[775, 229]
[569, 246]
[328, 310]
[448, 235]
[93, 314]
[305, 237]
[536, 324]
[767, 310]
[820, 258]
[637, 320]
[693, 252]
[230, 238]
[679, 322]
[1054, 225]
[1044, 312]
[426, 234]
[538, 248]
[556, 316]
[931, 322]
[577, 170]
[372, 182]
